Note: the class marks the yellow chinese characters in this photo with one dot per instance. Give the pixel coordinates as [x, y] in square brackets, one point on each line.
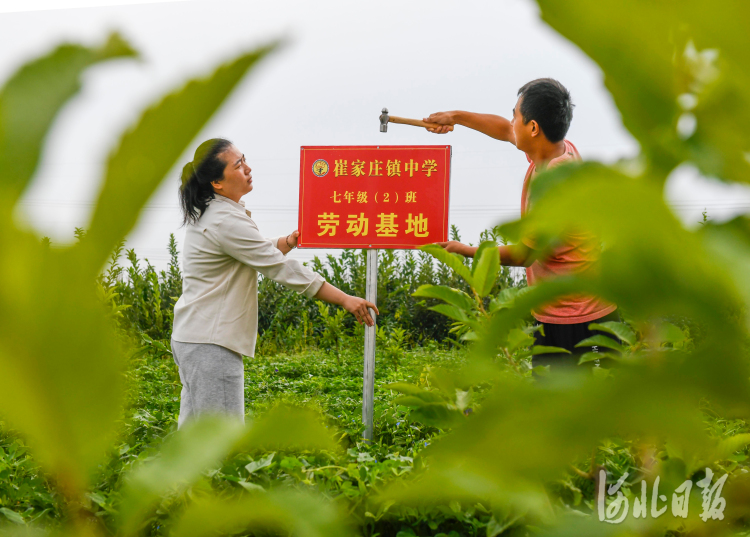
[357, 225]
[328, 222]
[412, 167]
[417, 225]
[387, 226]
[340, 168]
[358, 168]
[429, 166]
[393, 168]
[375, 168]
[361, 197]
[411, 197]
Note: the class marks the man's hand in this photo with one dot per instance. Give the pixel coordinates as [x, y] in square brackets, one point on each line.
[359, 308]
[495, 126]
[458, 248]
[445, 119]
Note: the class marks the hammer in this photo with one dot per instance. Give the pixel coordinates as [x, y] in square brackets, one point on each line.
[385, 119]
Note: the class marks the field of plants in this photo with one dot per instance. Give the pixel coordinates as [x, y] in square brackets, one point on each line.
[318, 365]
[653, 440]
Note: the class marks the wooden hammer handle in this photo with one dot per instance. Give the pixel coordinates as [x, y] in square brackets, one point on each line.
[416, 122]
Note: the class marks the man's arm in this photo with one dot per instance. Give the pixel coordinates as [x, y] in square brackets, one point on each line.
[514, 255]
[495, 126]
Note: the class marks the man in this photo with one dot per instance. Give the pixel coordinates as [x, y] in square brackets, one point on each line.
[540, 121]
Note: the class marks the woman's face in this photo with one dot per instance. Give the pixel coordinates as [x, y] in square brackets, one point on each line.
[237, 180]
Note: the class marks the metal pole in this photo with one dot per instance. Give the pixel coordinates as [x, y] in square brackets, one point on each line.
[368, 389]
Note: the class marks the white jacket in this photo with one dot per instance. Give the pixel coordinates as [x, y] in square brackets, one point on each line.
[222, 255]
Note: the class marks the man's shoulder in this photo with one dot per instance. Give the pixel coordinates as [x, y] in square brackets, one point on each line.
[570, 155]
[571, 151]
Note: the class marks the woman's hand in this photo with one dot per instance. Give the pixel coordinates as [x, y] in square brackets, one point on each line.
[358, 307]
[292, 238]
[288, 243]
[354, 305]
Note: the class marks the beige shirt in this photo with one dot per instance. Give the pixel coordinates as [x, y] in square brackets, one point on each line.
[222, 255]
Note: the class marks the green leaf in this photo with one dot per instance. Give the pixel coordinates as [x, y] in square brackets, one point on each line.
[728, 446]
[601, 341]
[151, 148]
[506, 297]
[250, 487]
[517, 339]
[283, 511]
[592, 356]
[451, 296]
[12, 516]
[288, 427]
[617, 329]
[182, 460]
[58, 356]
[729, 245]
[415, 391]
[424, 396]
[669, 333]
[32, 98]
[436, 415]
[485, 268]
[261, 463]
[544, 349]
[410, 401]
[452, 312]
[204, 443]
[652, 53]
[670, 266]
[454, 261]
[495, 528]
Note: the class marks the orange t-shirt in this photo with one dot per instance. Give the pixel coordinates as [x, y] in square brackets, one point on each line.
[579, 252]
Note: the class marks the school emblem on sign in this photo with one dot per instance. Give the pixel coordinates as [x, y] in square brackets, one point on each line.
[320, 168]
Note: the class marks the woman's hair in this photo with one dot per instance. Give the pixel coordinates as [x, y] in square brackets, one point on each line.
[195, 182]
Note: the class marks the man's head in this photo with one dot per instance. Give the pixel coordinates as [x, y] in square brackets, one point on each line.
[543, 111]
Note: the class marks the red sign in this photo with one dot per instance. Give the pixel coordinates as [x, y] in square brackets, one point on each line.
[374, 196]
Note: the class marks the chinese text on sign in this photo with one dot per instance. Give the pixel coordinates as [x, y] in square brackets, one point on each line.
[374, 196]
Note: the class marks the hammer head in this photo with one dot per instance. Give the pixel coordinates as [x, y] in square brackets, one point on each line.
[384, 120]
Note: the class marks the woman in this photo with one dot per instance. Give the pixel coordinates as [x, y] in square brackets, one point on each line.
[216, 318]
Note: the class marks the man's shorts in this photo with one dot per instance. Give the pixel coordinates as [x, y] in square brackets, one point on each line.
[567, 336]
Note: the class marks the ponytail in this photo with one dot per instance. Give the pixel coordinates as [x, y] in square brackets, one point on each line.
[196, 178]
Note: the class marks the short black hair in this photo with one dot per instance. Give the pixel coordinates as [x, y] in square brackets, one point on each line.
[547, 102]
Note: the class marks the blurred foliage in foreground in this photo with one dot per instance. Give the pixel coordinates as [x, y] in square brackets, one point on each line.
[680, 75]
[62, 361]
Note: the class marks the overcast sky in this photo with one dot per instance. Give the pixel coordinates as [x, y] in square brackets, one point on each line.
[342, 63]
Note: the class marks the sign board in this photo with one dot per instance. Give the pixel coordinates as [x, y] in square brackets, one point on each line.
[374, 196]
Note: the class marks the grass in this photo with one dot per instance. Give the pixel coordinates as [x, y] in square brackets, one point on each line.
[352, 477]
[313, 378]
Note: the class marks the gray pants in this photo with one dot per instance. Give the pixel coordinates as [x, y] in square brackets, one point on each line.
[213, 380]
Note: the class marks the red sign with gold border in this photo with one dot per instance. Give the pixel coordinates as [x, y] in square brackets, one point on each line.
[374, 196]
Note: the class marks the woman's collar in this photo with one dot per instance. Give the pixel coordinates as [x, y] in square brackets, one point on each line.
[240, 205]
